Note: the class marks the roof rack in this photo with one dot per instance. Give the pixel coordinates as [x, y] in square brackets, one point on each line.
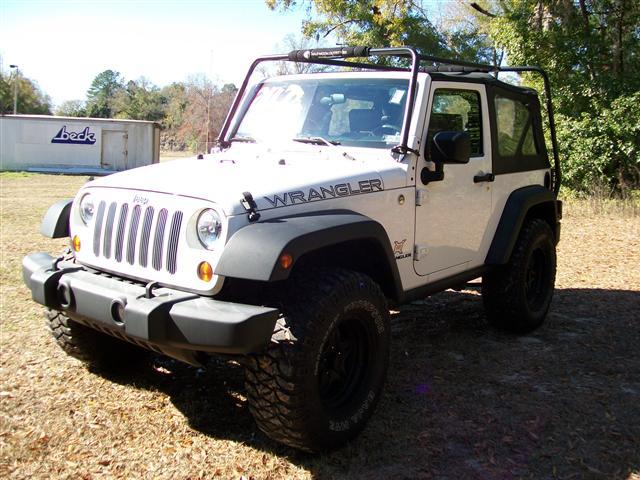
[336, 57]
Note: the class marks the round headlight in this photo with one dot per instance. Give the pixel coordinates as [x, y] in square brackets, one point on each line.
[209, 227]
[87, 208]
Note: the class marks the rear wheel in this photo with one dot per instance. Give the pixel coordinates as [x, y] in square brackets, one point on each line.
[317, 384]
[92, 347]
[517, 296]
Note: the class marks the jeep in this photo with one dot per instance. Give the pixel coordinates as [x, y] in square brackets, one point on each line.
[330, 196]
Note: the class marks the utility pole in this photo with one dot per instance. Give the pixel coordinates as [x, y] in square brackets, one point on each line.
[15, 89]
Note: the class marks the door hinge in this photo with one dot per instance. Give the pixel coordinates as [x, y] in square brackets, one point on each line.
[419, 252]
[420, 197]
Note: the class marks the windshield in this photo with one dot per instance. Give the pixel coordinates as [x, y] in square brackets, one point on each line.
[355, 112]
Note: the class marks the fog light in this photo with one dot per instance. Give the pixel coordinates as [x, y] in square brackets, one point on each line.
[286, 260]
[205, 272]
[76, 243]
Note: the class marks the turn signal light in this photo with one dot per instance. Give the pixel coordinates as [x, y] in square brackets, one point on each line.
[205, 272]
[286, 260]
[76, 243]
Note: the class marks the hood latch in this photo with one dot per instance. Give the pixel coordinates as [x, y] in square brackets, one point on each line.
[250, 206]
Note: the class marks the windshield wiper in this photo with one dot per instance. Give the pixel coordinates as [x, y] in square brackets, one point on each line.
[317, 141]
[240, 138]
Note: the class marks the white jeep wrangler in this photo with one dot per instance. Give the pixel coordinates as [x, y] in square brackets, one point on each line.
[330, 195]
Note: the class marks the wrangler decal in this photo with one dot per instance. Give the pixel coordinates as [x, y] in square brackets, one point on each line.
[323, 193]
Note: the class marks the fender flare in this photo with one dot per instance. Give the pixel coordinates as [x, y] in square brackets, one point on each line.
[253, 252]
[513, 216]
[55, 223]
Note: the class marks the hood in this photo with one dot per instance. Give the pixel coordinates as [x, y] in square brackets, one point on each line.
[274, 178]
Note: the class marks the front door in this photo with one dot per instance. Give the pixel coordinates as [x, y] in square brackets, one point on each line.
[114, 149]
[452, 218]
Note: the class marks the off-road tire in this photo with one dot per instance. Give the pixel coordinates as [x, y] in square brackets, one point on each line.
[318, 382]
[517, 296]
[94, 348]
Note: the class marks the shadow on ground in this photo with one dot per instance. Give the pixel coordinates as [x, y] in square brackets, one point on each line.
[465, 401]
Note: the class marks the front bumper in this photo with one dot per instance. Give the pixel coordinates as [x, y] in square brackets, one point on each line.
[177, 323]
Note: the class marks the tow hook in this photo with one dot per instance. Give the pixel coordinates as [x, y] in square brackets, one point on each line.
[148, 289]
[66, 255]
[250, 206]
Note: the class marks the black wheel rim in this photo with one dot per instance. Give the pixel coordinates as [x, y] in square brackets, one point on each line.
[537, 279]
[343, 364]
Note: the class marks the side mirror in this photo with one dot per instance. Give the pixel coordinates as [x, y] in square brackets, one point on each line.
[450, 147]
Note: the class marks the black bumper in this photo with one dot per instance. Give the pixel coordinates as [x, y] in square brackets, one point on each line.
[170, 321]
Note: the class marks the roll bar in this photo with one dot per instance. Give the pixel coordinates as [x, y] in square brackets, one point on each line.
[335, 57]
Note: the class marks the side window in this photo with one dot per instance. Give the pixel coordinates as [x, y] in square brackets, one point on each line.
[457, 110]
[514, 128]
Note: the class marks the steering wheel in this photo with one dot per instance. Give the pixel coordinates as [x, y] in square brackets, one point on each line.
[386, 129]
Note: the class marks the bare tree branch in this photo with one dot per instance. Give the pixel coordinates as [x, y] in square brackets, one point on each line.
[477, 7]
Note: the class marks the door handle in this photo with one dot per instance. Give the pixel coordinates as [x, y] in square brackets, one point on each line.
[485, 177]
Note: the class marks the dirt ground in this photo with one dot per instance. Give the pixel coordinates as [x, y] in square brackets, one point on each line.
[462, 400]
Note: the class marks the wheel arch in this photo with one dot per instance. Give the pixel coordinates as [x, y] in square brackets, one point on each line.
[338, 238]
[55, 223]
[534, 201]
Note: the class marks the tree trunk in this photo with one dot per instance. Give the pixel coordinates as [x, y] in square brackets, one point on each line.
[586, 28]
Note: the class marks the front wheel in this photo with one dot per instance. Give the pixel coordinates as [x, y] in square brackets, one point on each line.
[94, 348]
[517, 296]
[317, 384]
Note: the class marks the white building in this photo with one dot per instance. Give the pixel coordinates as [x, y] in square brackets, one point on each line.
[42, 143]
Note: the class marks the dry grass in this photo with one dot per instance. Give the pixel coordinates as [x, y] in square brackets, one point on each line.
[462, 401]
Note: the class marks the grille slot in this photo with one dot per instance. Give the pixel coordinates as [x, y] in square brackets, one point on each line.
[108, 230]
[133, 235]
[97, 231]
[146, 234]
[140, 236]
[156, 260]
[174, 235]
[124, 211]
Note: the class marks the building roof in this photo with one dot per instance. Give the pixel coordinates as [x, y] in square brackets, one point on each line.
[90, 119]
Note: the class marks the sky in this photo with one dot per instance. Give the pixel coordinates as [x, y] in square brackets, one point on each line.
[64, 44]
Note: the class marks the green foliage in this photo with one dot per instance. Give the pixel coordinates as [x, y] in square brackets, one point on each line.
[72, 108]
[190, 113]
[388, 23]
[139, 100]
[603, 150]
[102, 94]
[590, 47]
[31, 100]
[174, 116]
[591, 50]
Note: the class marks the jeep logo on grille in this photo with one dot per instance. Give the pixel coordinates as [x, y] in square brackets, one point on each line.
[140, 200]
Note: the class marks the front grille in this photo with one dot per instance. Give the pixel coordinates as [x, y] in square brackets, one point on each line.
[98, 228]
[157, 242]
[146, 233]
[124, 211]
[172, 251]
[129, 236]
[108, 230]
[133, 235]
